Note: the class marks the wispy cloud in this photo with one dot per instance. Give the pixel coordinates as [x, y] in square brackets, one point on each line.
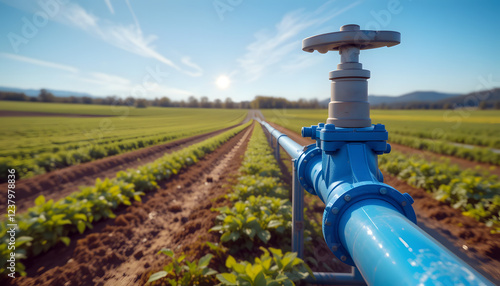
[39, 62]
[105, 78]
[133, 14]
[129, 38]
[113, 84]
[110, 7]
[299, 62]
[272, 48]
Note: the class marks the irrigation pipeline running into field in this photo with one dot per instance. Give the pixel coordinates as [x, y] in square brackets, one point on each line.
[366, 223]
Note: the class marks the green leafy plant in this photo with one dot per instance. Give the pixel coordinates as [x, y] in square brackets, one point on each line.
[476, 193]
[261, 210]
[61, 144]
[49, 223]
[254, 185]
[239, 227]
[183, 272]
[267, 270]
[5, 252]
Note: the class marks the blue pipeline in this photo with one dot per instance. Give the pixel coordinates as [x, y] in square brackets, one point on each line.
[367, 223]
[291, 147]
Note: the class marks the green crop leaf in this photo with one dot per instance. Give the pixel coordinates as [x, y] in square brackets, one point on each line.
[80, 216]
[264, 235]
[274, 223]
[260, 279]
[216, 228]
[40, 200]
[167, 252]
[81, 226]
[204, 261]
[209, 271]
[22, 240]
[65, 240]
[227, 278]
[157, 276]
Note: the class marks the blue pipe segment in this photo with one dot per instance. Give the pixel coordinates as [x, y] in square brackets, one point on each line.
[291, 147]
[389, 250]
[367, 223]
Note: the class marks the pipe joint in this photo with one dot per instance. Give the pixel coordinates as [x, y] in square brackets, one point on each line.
[307, 168]
[375, 137]
[345, 195]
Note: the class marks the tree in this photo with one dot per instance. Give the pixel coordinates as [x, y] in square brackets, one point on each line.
[164, 102]
[46, 96]
[14, 96]
[218, 103]
[130, 101]
[205, 103]
[245, 105]
[74, 99]
[87, 100]
[193, 102]
[483, 105]
[228, 103]
[141, 103]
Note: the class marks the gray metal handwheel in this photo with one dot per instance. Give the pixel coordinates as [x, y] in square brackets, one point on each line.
[351, 35]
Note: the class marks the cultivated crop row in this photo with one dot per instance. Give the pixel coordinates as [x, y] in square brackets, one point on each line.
[259, 217]
[477, 154]
[476, 193]
[418, 129]
[58, 144]
[49, 222]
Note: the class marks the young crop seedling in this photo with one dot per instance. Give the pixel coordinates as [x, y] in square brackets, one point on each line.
[183, 272]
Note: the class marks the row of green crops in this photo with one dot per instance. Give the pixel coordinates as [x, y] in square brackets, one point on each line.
[260, 216]
[49, 222]
[482, 155]
[476, 193]
[433, 130]
[35, 145]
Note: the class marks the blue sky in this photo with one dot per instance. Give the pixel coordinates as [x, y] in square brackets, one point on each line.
[182, 48]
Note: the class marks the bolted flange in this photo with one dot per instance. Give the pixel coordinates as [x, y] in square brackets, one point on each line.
[358, 192]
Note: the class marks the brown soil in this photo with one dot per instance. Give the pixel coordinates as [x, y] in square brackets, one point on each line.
[177, 216]
[60, 183]
[10, 113]
[465, 237]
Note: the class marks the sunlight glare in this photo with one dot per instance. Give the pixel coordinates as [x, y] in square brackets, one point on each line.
[223, 82]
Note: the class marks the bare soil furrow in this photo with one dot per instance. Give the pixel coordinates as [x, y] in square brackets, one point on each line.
[60, 183]
[176, 216]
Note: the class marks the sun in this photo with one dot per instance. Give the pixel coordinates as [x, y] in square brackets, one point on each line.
[223, 82]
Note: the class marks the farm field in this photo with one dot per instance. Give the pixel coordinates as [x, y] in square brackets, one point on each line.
[38, 144]
[165, 221]
[469, 134]
[216, 200]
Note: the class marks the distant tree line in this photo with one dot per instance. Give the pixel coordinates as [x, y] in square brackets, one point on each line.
[264, 102]
[259, 102]
[192, 101]
[203, 102]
